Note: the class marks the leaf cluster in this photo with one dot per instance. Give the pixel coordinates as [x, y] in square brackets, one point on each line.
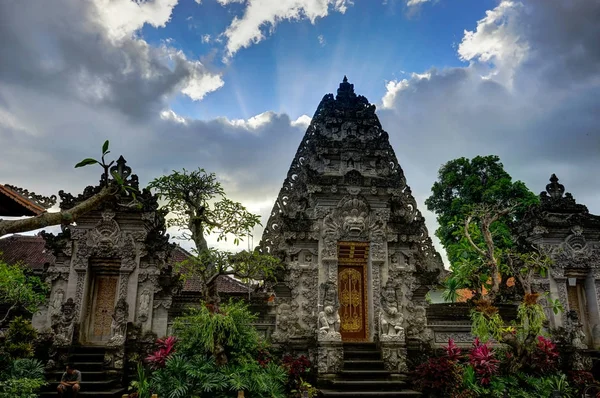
[199, 207]
[22, 379]
[19, 289]
[463, 184]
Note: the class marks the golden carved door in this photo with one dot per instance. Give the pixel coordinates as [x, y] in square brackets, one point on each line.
[352, 290]
[103, 307]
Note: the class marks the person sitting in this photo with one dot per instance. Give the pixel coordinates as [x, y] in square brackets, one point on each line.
[70, 382]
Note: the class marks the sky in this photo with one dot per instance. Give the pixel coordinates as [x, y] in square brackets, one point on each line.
[231, 85]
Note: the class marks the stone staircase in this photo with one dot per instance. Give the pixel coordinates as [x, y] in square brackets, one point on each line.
[95, 381]
[364, 375]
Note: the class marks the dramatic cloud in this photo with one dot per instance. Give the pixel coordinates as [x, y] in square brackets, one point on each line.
[260, 14]
[71, 49]
[529, 95]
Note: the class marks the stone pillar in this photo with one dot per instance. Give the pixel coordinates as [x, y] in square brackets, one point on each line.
[561, 287]
[330, 357]
[394, 356]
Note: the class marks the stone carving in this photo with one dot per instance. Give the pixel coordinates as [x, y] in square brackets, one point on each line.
[144, 309]
[394, 358]
[345, 185]
[575, 329]
[329, 325]
[330, 357]
[57, 303]
[118, 328]
[390, 317]
[63, 324]
[285, 323]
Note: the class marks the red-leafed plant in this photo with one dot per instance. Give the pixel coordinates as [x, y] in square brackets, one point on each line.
[298, 369]
[544, 357]
[452, 351]
[264, 357]
[482, 359]
[441, 375]
[165, 347]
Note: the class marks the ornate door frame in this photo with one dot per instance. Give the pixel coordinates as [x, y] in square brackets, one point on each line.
[353, 290]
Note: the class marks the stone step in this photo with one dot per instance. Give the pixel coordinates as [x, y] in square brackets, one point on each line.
[365, 374]
[84, 367]
[373, 394]
[367, 385]
[104, 385]
[87, 357]
[360, 346]
[364, 364]
[361, 354]
[89, 376]
[112, 393]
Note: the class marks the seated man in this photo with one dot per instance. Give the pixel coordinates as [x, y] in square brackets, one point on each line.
[69, 382]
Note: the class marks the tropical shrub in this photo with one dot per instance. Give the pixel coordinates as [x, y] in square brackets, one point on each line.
[23, 379]
[440, 375]
[483, 362]
[166, 347]
[213, 353]
[298, 370]
[18, 342]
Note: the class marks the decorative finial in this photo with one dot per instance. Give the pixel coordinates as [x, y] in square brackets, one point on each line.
[121, 168]
[554, 189]
[345, 79]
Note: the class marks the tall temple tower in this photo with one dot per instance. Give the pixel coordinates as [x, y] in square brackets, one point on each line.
[358, 257]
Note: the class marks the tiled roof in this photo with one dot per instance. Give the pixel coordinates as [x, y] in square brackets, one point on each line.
[16, 205]
[225, 284]
[29, 250]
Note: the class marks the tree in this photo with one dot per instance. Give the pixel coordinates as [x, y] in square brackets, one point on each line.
[199, 207]
[109, 189]
[20, 290]
[477, 206]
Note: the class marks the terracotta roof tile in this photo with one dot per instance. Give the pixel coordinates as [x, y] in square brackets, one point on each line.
[15, 204]
[28, 249]
[31, 251]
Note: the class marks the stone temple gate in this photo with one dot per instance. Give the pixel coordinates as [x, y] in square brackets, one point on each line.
[358, 257]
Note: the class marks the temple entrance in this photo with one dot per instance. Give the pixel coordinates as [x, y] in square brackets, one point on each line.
[103, 305]
[352, 290]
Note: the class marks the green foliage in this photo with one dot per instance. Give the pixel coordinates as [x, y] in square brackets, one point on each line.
[19, 338]
[198, 206]
[486, 326]
[142, 384]
[197, 368]
[203, 331]
[27, 368]
[190, 198]
[20, 289]
[463, 184]
[200, 376]
[451, 288]
[20, 388]
[22, 379]
[531, 318]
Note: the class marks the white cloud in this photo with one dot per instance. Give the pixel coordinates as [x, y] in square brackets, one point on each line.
[261, 14]
[321, 40]
[124, 17]
[412, 3]
[497, 40]
[252, 123]
[303, 122]
[393, 87]
[206, 38]
[169, 114]
[528, 95]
